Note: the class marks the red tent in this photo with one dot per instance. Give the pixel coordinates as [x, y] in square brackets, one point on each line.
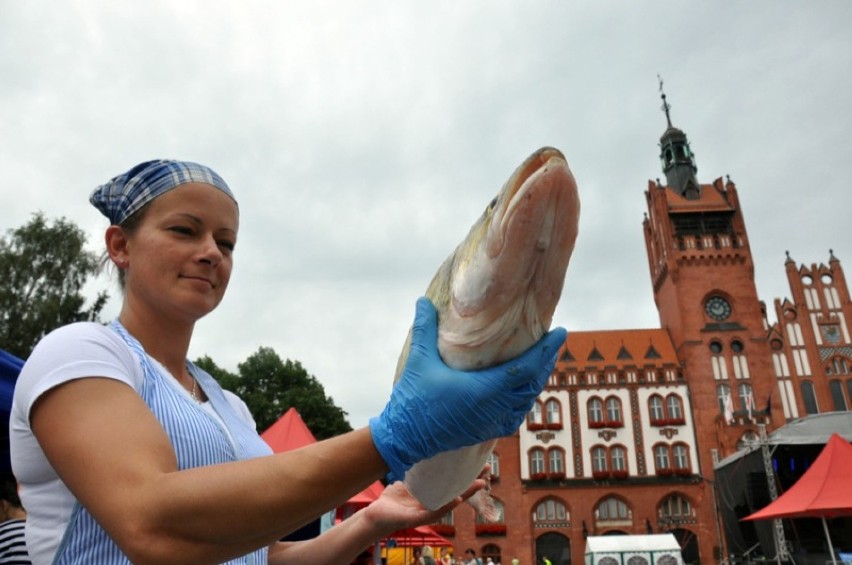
[415, 537]
[288, 433]
[822, 492]
[366, 496]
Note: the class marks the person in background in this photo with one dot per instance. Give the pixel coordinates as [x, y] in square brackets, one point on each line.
[128, 452]
[428, 556]
[13, 549]
[470, 557]
[446, 558]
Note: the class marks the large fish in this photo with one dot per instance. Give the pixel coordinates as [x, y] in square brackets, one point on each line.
[495, 297]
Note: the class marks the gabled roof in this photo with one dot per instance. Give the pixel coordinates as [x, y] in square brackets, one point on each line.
[618, 348]
[288, 433]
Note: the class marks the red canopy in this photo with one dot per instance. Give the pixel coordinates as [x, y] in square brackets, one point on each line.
[288, 433]
[822, 492]
[368, 495]
[414, 537]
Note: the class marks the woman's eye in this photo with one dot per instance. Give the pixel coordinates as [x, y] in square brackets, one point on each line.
[229, 245]
[181, 229]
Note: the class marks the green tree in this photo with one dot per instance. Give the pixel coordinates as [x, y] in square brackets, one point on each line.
[43, 268]
[270, 387]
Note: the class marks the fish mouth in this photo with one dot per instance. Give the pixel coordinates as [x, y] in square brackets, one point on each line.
[528, 193]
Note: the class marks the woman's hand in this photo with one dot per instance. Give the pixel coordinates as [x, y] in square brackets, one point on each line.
[430, 409]
[397, 508]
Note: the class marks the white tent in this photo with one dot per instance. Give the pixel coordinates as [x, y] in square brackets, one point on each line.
[656, 549]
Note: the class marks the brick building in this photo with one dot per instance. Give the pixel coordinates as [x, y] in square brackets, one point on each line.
[625, 436]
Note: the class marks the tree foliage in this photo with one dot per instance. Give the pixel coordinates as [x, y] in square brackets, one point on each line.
[43, 268]
[270, 387]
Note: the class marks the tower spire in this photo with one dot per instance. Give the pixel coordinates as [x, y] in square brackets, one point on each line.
[677, 159]
[666, 107]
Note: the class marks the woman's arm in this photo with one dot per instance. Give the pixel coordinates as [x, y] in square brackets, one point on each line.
[394, 510]
[112, 453]
[114, 456]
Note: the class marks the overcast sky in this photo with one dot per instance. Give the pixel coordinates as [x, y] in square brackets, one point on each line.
[363, 139]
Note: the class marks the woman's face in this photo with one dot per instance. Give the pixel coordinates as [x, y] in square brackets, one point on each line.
[179, 259]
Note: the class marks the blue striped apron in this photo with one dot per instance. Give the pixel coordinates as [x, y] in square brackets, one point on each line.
[198, 440]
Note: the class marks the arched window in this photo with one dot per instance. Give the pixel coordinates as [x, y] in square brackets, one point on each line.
[723, 393]
[675, 508]
[809, 398]
[536, 461]
[494, 461]
[599, 459]
[656, 409]
[745, 397]
[674, 407]
[748, 439]
[661, 458]
[554, 414]
[493, 551]
[595, 411]
[556, 461]
[612, 509]
[613, 410]
[837, 397]
[849, 388]
[534, 417]
[680, 457]
[837, 366]
[550, 512]
[618, 458]
[637, 560]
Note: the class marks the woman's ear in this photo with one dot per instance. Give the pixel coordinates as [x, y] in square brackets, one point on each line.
[116, 246]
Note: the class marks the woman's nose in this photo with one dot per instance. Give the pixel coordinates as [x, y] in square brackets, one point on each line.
[210, 252]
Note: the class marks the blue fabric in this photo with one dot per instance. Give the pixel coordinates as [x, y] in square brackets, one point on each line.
[127, 193]
[10, 366]
[198, 440]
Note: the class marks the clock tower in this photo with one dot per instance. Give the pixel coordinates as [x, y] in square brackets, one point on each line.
[702, 275]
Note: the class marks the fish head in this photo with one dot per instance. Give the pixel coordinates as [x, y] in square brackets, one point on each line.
[497, 293]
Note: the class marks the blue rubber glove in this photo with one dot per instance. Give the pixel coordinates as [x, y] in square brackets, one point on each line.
[434, 408]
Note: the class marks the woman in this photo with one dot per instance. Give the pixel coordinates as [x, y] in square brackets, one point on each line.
[127, 452]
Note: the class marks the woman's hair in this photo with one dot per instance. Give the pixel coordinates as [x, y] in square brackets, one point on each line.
[9, 492]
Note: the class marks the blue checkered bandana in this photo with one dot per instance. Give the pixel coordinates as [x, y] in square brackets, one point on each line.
[124, 195]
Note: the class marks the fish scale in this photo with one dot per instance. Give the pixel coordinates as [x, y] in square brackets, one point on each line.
[495, 296]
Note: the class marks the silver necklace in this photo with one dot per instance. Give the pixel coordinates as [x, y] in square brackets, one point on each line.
[193, 392]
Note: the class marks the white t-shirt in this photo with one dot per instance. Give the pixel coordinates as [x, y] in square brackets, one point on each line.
[75, 351]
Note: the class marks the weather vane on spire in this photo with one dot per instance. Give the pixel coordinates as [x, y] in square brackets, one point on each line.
[666, 107]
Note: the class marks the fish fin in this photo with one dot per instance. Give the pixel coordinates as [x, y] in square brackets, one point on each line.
[484, 505]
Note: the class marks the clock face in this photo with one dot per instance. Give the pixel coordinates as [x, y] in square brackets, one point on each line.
[717, 308]
[830, 333]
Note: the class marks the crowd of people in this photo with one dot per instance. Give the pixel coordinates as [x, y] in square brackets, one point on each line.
[425, 556]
